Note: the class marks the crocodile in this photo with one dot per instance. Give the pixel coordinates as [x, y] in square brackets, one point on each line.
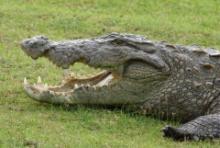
[150, 77]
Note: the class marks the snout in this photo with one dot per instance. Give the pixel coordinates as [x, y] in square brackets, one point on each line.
[25, 46]
[35, 47]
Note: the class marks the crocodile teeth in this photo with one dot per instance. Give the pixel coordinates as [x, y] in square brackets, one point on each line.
[76, 86]
[45, 86]
[39, 80]
[105, 81]
[51, 92]
[25, 81]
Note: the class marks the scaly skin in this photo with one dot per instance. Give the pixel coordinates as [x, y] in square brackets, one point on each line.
[155, 78]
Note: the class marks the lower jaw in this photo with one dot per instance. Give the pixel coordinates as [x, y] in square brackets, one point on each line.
[69, 85]
[105, 95]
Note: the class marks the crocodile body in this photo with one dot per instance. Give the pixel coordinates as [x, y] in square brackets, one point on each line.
[155, 78]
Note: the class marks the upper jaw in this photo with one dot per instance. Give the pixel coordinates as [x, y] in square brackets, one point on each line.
[34, 54]
[35, 47]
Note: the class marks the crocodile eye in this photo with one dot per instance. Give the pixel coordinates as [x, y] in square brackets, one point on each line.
[44, 38]
[27, 42]
[33, 44]
[188, 69]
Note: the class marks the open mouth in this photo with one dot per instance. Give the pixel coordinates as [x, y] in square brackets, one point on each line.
[71, 84]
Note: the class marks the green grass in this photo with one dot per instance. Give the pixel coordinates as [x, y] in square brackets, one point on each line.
[21, 119]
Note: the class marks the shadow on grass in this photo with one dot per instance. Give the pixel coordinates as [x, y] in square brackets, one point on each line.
[129, 112]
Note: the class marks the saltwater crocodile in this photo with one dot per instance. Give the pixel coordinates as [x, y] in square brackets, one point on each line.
[154, 78]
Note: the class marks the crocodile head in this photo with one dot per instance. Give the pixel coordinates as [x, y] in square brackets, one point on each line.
[133, 69]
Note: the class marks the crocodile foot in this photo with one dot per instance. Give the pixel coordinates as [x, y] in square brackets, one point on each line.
[180, 135]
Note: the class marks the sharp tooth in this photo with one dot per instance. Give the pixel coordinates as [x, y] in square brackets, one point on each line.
[39, 79]
[51, 92]
[76, 86]
[25, 81]
[63, 82]
[45, 86]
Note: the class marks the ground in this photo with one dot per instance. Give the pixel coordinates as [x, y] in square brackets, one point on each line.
[25, 122]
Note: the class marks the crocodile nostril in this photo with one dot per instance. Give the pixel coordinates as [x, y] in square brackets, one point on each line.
[26, 42]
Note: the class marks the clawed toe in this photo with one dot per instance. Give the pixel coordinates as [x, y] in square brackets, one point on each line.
[169, 131]
[175, 133]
